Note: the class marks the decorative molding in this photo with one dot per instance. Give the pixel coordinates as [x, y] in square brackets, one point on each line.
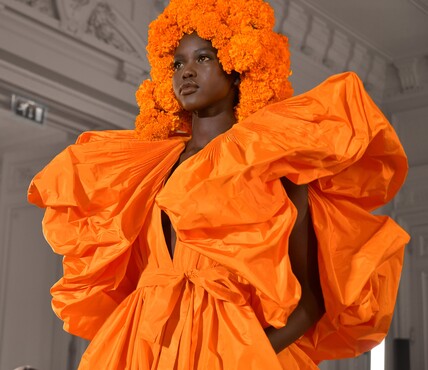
[131, 74]
[44, 6]
[376, 75]
[409, 71]
[340, 45]
[331, 46]
[361, 61]
[317, 40]
[93, 23]
[102, 23]
[69, 110]
[296, 24]
[411, 80]
[311, 32]
[77, 4]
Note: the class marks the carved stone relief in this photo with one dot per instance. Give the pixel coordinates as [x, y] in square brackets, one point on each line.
[44, 6]
[409, 71]
[131, 74]
[317, 40]
[102, 23]
[340, 45]
[309, 33]
[331, 46]
[76, 4]
[296, 25]
[96, 18]
[100, 20]
[128, 8]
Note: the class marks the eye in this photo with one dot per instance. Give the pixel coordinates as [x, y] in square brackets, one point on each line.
[203, 58]
[177, 65]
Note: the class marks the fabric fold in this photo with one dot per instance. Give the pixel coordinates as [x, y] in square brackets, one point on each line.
[93, 193]
[230, 269]
[216, 281]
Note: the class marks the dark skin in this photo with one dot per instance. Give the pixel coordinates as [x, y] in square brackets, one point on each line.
[203, 88]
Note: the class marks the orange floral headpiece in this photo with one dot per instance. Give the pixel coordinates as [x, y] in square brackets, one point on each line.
[241, 31]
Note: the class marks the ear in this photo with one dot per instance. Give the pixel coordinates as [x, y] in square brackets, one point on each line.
[236, 78]
[237, 81]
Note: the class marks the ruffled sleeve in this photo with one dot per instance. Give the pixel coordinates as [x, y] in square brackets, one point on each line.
[227, 203]
[97, 193]
[336, 139]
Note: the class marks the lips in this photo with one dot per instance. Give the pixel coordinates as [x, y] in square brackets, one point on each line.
[188, 88]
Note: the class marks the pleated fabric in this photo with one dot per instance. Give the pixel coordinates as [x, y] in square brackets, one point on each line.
[230, 275]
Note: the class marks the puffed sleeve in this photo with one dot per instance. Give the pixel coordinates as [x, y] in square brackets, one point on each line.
[227, 203]
[96, 194]
[337, 140]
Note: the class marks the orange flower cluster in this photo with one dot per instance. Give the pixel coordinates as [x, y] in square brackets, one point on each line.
[241, 31]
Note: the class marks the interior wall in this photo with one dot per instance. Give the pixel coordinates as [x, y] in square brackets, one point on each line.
[30, 332]
[411, 210]
[87, 82]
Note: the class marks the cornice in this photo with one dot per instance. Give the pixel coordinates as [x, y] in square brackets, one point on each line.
[314, 35]
[85, 83]
[334, 47]
[68, 109]
[94, 24]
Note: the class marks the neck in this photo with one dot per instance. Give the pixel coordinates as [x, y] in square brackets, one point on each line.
[205, 129]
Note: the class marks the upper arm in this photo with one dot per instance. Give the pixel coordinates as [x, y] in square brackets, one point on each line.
[303, 246]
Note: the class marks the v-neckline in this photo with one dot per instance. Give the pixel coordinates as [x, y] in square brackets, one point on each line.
[174, 168]
[170, 252]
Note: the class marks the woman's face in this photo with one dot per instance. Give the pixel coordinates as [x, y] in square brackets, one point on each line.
[199, 82]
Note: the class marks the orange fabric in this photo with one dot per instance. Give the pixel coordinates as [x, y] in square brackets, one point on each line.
[230, 275]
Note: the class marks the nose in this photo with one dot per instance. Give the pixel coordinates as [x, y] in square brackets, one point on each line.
[189, 71]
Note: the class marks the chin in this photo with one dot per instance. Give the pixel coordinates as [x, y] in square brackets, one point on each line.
[190, 106]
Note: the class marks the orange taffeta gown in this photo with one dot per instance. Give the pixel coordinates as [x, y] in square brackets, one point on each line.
[230, 275]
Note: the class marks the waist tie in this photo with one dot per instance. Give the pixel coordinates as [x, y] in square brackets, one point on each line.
[164, 288]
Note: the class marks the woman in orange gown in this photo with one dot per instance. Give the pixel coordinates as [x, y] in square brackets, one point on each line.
[248, 244]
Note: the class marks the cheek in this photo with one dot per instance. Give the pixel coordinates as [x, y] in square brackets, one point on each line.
[222, 84]
[175, 85]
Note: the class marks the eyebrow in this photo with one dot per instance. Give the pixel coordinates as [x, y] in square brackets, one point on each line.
[207, 48]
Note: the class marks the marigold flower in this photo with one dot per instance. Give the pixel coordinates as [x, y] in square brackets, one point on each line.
[242, 33]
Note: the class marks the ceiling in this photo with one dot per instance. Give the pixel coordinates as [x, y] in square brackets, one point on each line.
[398, 28]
